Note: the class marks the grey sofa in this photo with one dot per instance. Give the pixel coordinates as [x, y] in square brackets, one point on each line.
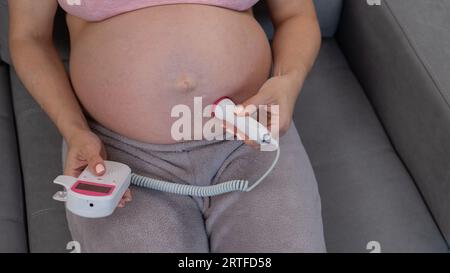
[374, 117]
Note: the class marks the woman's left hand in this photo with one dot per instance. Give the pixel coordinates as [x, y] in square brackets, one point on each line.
[281, 91]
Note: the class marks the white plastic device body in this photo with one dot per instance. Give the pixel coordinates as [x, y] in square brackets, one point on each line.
[94, 196]
[223, 109]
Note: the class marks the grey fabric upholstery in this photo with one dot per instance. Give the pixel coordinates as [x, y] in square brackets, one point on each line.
[404, 66]
[12, 220]
[4, 52]
[40, 152]
[328, 12]
[367, 194]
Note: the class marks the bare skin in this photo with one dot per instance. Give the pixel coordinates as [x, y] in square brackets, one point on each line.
[176, 70]
[164, 56]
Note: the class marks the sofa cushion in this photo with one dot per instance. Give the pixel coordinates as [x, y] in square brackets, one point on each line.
[40, 153]
[12, 220]
[367, 193]
[404, 66]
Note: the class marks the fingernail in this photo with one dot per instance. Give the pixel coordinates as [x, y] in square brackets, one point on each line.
[99, 168]
[239, 109]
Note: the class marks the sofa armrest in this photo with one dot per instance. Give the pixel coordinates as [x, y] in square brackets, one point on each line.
[400, 53]
[12, 220]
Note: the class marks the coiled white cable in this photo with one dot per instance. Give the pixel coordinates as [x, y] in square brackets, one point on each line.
[202, 191]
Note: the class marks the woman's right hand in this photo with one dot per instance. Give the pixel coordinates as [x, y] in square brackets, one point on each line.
[84, 149]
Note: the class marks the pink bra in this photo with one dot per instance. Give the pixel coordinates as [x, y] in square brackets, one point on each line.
[97, 10]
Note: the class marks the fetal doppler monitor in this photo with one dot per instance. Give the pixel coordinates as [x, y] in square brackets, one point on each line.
[97, 196]
[94, 196]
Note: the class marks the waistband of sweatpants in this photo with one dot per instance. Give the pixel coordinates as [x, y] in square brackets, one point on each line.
[175, 147]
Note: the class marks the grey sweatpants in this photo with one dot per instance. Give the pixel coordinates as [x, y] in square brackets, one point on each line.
[282, 214]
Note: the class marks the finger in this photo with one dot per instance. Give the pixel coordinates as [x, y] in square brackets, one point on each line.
[95, 162]
[121, 204]
[234, 131]
[127, 196]
[71, 170]
[73, 167]
[252, 144]
[103, 153]
[240, 136]
[250, 106]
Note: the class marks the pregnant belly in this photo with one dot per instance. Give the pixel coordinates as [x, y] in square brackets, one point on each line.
[131, 70]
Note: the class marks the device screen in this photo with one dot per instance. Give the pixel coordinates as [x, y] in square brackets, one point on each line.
[92, 188]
